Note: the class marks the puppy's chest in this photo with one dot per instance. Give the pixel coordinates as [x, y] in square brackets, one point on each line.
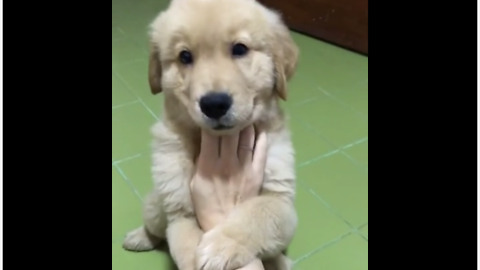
[280, 168]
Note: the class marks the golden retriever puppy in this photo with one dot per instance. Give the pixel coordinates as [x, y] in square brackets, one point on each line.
[222, 65]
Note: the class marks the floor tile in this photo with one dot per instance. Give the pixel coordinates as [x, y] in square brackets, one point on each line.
[138, 171]
[117, 34]
[359, 152]
[151, 260]
[331, 121]
[316, 224]
[355, 99]
[131, 131]
[301, 89]
[341, 184]
[126, 207]
[349, 253]
[126, 51]
[120, 93]
[307, 144]
[135, 76]
[364, 231]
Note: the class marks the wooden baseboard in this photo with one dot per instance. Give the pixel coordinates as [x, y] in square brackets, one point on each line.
[341, 22]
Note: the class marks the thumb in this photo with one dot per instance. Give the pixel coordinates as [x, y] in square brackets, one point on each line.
[260, 153]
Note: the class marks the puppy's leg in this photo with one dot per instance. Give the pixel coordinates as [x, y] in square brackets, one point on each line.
[147, 237]
[183, 236]
[260, 227]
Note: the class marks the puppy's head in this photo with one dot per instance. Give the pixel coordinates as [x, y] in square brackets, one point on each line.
[222, 64]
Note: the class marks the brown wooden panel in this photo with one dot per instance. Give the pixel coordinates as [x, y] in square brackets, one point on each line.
[342, 22]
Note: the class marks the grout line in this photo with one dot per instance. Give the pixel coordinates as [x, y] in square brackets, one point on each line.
[361, 233]
[135, 42]
[332, 210]
[305, 163]
[343, 103]
[148, 109]
[330, 243]
[329, 207]
[120, 30]
[135, 94]
[363, 225]
[322, 247]
[122, 34]
[363, 236]
[125, 178]
[305, 101]
[364, 139]
[312, 129]
[125, 104]
[126, 159]
[356, 162]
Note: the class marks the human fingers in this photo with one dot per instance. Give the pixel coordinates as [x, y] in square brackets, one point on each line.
[246, 144]
[260, 153]
[228, 147]
[209, 147]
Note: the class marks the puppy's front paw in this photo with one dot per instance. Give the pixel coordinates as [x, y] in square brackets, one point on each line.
[140, 240]
[218, 251]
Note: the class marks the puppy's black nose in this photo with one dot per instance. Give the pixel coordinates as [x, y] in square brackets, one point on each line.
[215, 105]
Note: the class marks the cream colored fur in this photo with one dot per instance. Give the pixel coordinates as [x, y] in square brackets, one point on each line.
[262, 226]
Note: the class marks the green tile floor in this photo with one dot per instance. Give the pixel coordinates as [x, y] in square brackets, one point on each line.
[328, 111]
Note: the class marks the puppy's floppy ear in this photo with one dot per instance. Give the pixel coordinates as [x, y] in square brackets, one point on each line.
[155, 70]
[154, 64]
[285, 55]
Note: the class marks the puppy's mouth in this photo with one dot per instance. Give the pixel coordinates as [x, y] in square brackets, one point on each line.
[222, 127]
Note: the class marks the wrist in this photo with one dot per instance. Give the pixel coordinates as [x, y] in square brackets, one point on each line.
[208, 221]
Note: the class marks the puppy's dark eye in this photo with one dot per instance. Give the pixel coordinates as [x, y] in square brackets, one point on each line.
[185, 57]
[239, 49]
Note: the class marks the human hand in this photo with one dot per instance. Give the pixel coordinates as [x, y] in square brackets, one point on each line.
[229, 171]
